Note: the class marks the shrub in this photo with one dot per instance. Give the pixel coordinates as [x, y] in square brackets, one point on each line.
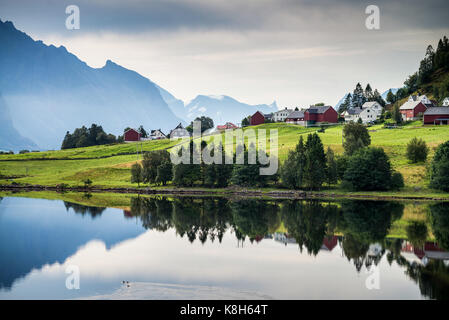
[439, 168]
[397, 181]
[417, 150]
[356, 136]
[136, 174]
[369, 169]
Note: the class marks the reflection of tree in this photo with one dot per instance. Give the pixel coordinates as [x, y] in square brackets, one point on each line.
[417, 233]
[439, 220]
[433, 279]
[309, 222]
[254, 218]
[364, 223]
[82, 209]
[155, 213]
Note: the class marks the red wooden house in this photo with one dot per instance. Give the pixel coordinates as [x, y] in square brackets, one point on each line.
[411, 110]
[436, 115]
[257, 118]
[318, 114]
[132, 135]
[228, 125]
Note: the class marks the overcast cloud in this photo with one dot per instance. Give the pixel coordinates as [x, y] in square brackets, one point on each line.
[295, 52]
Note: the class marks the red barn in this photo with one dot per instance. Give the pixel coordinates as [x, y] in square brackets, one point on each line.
[436, 115]
[411, 110]
[318, 114]
[257, 118]
[132, 135]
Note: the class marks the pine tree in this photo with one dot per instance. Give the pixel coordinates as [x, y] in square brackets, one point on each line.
[332, 171]
[315, 164]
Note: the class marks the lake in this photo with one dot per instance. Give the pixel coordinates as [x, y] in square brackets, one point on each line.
[218, 248]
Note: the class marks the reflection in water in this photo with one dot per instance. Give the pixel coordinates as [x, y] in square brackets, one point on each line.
[359, 228]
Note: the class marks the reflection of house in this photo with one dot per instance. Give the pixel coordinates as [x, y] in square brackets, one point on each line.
[281, 115]
[179, 132]
[436, 115]
[329, 243]
[157, 135]
[411, 110]
[132, 135]
[430, 251]
[283, 237]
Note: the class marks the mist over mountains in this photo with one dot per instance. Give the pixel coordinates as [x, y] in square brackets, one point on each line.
[47, 91]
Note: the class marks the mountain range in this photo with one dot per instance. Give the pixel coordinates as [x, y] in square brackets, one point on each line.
[46, 91]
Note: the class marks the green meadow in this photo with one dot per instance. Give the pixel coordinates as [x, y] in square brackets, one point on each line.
[109, 165]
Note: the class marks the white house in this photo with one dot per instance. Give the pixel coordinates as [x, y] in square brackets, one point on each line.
[446, 102]
[179, 132]
[422, 98]
[281, 115]
[369, 112]
[157, 134]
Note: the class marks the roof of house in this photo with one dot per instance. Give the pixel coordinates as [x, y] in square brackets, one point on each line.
[131, 129]
[156, 130]
[417, 98]
[409, 105]
[437, 111]
[283, 110]
[369, 104]
[354, 111]
[179, 126]
[296, 114]
[318, 109]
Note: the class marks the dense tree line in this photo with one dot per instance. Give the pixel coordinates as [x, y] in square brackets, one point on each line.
[434, 60]
[86, 137]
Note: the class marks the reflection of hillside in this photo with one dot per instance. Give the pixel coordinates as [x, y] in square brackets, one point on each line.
[44, 234]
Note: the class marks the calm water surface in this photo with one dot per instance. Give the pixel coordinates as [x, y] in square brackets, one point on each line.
[217, 248]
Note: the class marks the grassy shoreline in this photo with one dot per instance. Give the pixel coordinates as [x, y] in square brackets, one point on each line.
[108, 166]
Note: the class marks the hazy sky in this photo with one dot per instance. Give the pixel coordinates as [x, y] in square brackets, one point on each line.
[296, 52]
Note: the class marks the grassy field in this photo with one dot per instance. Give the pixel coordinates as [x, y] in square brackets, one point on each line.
[109, 165]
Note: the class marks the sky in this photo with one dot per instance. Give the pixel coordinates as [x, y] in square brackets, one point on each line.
[294, 52]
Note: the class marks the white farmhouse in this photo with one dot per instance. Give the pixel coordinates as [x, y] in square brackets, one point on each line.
[281, 115]
[446, 102]
[179, 132]
[422, 98]
[157, 134]
[370, 111]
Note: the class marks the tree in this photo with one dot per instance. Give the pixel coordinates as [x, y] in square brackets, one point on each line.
[369, 169]
[369, 92]
[247, 174]
[417, 150]
[347, 104]
[396, 114]
[439, 168]
[164, 172]
[87, 183]
[332, 169]
[143, 132]
[292, 170]
[206, 124]
[356, 136]
[136, 174]
[187, 174]
[245, 122]
[391, 97]
[397, 181]
[358, 96]
[84, 137]
[315, 164]
[150, 163]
